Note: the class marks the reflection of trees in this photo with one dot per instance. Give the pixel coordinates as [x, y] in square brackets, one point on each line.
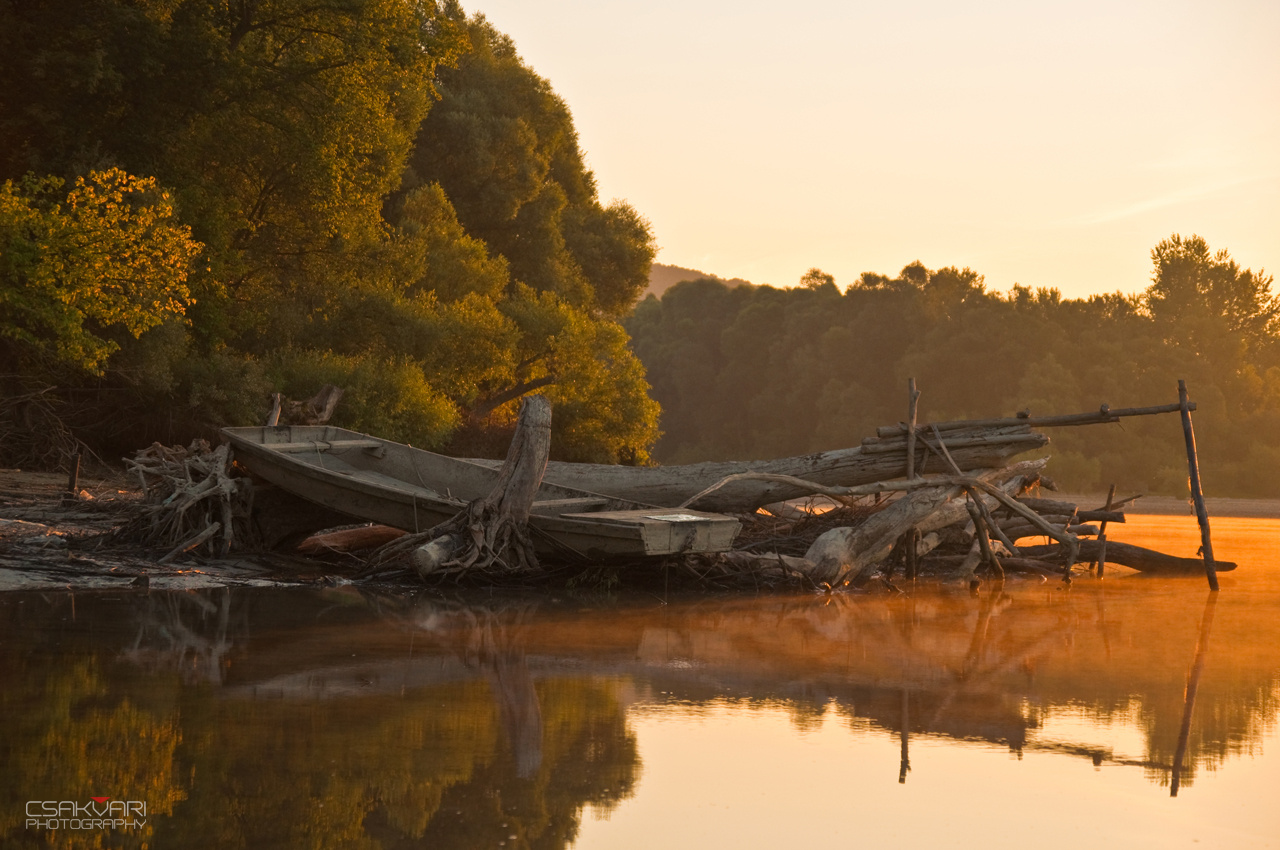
[67, 735]
[454, 763]
[568, 742]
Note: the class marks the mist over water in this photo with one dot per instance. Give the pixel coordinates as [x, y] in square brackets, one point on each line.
[283, 717]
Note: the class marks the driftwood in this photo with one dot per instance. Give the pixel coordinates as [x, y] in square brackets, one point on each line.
[1103, 415]
[1018, 529]
[350, 539]
[1136, 557]
[491, 533]
[192, 500]
[317, 410]
[853, 552]
[673, 486]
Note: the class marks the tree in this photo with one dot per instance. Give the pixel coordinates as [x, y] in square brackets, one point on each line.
[1205, 300]
[816, 279]
[108, 259]
[502, 145]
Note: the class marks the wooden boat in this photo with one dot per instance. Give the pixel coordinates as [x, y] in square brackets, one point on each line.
[381, 481]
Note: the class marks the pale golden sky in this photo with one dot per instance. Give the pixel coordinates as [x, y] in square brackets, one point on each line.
[1048, 144]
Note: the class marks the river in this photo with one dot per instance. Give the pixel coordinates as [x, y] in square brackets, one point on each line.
[1033, 714]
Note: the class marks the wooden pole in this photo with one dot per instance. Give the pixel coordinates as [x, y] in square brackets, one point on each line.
[1102, 534]
[1193, 466]
[913, 533]
[1189, 695]
[913, 396]
[73, 476]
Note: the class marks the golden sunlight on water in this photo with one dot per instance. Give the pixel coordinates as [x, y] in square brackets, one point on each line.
[1029, 714]
[1067, 744]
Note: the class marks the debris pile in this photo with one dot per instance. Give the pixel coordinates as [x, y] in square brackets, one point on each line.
[191, 501]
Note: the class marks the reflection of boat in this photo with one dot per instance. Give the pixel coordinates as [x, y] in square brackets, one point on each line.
[386, 482]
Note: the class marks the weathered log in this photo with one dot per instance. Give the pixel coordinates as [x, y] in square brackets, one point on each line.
[350, 539]
[898, 442]
[672, 486]
[852, 552]
[1017, 530]
[1048, 506]
[812, 488]
[277, 406]
[1134, 557]
[1027, 436]
[316, 410]
[1104, 415]
[849, 552]
[1102, 516]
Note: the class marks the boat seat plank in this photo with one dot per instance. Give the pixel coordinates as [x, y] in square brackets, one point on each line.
[651, 515]
[561, 507]
[323, 445]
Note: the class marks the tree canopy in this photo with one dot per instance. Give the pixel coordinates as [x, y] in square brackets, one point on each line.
[755, 372]
[290, 210]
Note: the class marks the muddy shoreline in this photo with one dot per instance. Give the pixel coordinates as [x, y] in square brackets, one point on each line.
[50, 540]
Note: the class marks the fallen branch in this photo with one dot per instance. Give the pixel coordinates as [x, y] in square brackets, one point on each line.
[1134, 557]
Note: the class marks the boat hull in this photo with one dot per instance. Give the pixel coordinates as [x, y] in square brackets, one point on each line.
[381, 481]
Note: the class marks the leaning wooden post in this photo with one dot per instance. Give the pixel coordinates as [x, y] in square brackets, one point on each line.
[1193, 465]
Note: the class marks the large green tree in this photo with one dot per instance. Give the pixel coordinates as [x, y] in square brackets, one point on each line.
[503, 146]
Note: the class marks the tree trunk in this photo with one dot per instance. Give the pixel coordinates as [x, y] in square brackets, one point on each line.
[492, 532]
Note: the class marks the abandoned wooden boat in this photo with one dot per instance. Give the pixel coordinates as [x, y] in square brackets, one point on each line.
[381, 481]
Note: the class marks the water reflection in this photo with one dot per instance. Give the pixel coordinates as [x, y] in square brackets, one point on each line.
[269, 717]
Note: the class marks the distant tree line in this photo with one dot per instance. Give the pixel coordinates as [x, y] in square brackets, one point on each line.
[755, 372]
[203, 202]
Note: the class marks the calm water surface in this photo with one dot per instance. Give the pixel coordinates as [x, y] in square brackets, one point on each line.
[1029, 716]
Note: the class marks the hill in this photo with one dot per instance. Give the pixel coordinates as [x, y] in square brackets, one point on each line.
[663, 277]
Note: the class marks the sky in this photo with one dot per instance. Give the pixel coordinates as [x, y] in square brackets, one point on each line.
[1042, 143]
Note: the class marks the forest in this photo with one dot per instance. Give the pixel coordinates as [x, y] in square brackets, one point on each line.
[754, 372]
[204, 202]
